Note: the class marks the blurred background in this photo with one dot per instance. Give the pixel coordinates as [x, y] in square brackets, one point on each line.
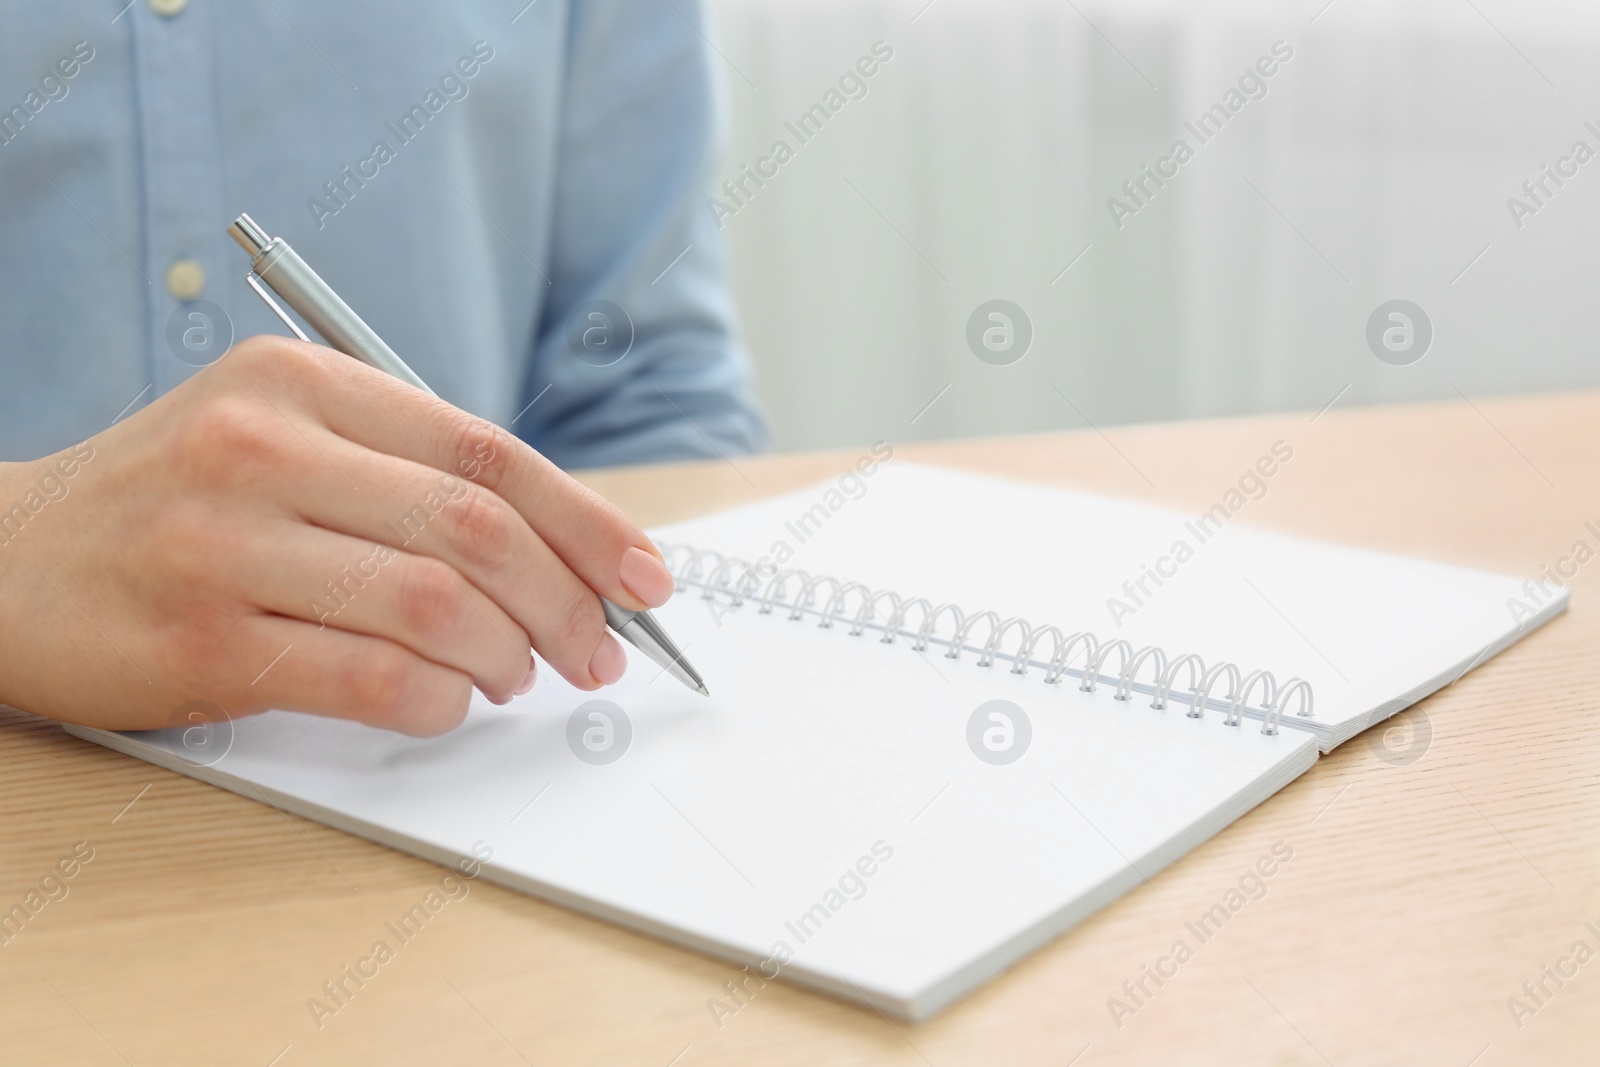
[1377, 166]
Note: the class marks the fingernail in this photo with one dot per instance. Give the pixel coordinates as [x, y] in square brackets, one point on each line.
[609, 661]
[646, 577]
[527, 683]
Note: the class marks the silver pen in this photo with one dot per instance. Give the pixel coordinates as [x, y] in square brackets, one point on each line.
[272, 261]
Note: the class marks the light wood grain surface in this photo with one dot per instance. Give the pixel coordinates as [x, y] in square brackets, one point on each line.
[1431, 875]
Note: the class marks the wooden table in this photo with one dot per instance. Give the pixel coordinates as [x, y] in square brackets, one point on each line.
[1431, 877]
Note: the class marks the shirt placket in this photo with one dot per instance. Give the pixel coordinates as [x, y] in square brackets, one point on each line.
[181, 170]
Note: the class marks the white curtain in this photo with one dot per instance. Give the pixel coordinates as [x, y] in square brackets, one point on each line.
[979, 162]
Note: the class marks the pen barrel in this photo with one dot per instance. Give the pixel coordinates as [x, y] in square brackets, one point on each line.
[616, 616]
[304, 290]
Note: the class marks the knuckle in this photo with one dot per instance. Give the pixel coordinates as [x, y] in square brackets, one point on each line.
[248, 356]
[227, 432]
[299, 365]
[480, 450]
[580, 623]
[278, 359]
[192, 649]
[443, 714]
[189, 555]
[429, 602]
[382, 685]
[199, 645]
[232, 442]
[185, 535]
[481, 528]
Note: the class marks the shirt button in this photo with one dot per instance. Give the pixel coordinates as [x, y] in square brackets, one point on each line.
[168, 8]
[186, 278]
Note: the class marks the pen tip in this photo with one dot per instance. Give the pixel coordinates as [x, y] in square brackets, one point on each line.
[703, 690]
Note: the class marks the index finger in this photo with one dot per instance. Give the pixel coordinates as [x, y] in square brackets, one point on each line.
[589, 533]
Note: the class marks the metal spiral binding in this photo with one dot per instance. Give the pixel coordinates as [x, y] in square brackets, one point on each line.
[730, 577]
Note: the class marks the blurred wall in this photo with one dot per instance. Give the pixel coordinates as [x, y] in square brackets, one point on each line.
[1375, 163]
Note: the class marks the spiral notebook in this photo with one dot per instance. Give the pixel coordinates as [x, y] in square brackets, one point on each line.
[905, 781]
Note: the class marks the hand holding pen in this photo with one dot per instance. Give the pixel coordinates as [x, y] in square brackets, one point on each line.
[292, 529]
[272, 261]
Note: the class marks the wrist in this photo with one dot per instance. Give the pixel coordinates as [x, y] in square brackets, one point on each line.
[14, 477]
[28, 489]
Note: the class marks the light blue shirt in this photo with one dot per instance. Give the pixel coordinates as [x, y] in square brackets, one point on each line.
[471, 177]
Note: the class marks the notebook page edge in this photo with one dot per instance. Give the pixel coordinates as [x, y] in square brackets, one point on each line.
[945, 991]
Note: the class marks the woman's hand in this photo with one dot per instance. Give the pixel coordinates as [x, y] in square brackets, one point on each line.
[292, 529]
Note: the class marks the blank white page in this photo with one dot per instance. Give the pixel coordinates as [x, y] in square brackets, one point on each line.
[729, 819]
[1373, 632]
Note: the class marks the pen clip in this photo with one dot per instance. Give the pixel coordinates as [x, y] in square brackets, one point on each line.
[255, 283]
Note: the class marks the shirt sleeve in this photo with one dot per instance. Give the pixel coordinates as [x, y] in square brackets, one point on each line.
[636, 355]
